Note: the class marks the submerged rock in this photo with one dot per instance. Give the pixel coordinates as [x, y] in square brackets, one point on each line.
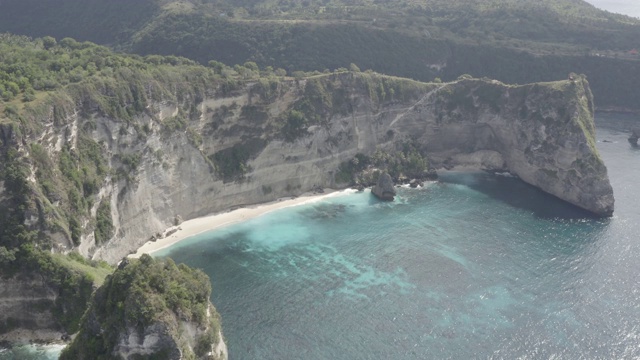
[384, 189]
[430, 175]
[414, 183]
[358, 187]
[635, 135]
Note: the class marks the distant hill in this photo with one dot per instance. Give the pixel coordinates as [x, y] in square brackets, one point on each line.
[511, 40]
[559, 22]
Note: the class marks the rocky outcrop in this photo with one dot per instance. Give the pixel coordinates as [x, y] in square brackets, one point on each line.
[414, 183]
[384, 189]
[159, 338]
[250, 146]
[151, 309]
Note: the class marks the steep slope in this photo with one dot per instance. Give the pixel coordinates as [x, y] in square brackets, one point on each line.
[43, 296]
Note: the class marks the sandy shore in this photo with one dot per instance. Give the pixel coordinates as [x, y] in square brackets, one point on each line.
[199, 225]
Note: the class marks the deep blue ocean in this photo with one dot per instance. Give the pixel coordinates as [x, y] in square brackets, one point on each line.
[474, 266]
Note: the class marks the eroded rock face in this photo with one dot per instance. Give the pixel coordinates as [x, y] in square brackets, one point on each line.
[384, 189]
[158, 338]
[25, 303]
[543, 133]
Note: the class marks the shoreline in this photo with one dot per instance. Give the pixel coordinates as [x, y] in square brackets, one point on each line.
[618, 110]
[193, 227]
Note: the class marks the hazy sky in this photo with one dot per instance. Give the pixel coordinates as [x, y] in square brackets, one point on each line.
[627, 7]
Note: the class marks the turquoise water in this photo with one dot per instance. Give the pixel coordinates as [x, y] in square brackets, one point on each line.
[477, 266]
[32, 352]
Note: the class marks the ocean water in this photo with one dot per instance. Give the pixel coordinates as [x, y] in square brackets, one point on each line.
[32, 352]
[477, 266]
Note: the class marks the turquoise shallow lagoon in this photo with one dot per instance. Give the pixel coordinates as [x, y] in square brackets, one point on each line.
[477, 266]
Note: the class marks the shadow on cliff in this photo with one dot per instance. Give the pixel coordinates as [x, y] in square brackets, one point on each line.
[517, 193]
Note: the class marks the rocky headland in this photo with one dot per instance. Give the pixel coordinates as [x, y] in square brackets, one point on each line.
[150, 309]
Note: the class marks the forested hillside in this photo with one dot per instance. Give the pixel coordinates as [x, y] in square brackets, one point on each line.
[513, 41]
[49, 193]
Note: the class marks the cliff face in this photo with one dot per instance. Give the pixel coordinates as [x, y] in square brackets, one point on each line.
[183, 158]
[543, 133]
[43, 296]
[20, 297]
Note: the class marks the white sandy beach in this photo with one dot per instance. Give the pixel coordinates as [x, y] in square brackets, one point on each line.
[199, 225]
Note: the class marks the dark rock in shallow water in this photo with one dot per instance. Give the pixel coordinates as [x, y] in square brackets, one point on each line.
[430, 175]
[415, 183]
[635, 135]
[384, 188]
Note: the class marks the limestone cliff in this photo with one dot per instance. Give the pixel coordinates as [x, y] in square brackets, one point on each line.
[43, 296]
[19, 297]
[543, 133]
[206, 150]
[150, 309]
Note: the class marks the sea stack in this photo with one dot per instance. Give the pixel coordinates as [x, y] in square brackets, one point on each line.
[150, 309]
[384, 189]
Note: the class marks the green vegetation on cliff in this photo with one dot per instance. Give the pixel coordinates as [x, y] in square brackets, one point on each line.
[404, 163]
[71, 278]
[503, 21]
[23, 250]
[62, 90]
[49, 189]
[510, 40]
[140, 295]
[55, 85]
[55, 96]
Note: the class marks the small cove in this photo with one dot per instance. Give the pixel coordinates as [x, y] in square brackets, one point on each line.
[477, 266]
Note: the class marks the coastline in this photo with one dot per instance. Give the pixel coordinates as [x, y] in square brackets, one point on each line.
[617, 110]
[192, 227]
